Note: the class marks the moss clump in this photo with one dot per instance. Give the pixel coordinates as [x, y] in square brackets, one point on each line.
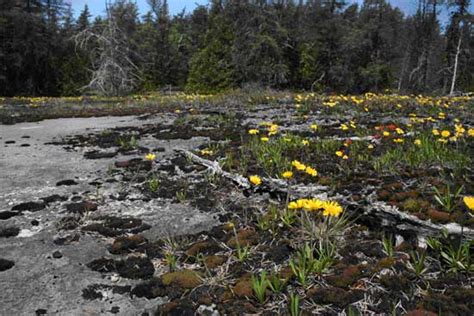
[438, 216]
[243, 288]
[214, 261]
[348, 276]
[205, 247]
[395, 282]
[412, 205]
[385, 263]
[334, 296]
[244, 238]
[187, 279]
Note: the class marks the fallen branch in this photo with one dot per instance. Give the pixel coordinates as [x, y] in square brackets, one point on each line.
[277, 186]
[384, 214]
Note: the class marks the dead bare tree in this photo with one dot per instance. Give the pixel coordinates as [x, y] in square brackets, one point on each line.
[113, 71]
[461, 19]
[456, 63]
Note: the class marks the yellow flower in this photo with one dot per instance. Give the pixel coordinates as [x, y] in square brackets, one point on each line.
[308, 205]
[292, 205]
[435, 132]
[311, 205]
[330, 104]
[255, 180]
[314, 127]
[298, 165]
[417, 142]
[264, 139]
[370, 146]
[344, 127]
[311, 171]
[345, 157]
[331, 208]
[460, 130]
[386, 134]
[253, 131]
[398, 140]
[445, 134]
[287, 174]
[399, 131]
[205, 152]
[469, 201]
[470, 132]
[305, 142]
[442, 140]
[273, 128]
[150, 157]
[339, 153]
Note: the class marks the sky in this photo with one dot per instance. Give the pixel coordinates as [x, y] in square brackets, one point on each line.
[97, 6]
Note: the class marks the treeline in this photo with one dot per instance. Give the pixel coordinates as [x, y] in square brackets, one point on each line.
[318, 45]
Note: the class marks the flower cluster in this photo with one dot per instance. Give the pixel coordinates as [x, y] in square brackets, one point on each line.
[255, 180]
[150, 157]
[328, 208]
[469, 201]
[303, 168]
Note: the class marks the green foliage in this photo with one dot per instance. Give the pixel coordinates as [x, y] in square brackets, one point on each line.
[153, 184]
[294, 306]
[276, 283]
[259, 286]
[388, 245]
[211, 69]
[417, 263]
[317, 45]
[447, 199]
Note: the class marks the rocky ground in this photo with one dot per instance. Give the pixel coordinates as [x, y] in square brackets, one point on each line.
[155, 213]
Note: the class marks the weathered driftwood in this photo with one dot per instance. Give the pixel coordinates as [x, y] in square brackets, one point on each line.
[391, 216]
[277, 186]
[386, 215]
[215, 168]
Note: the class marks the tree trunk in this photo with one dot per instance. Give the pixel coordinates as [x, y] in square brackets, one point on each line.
[456, 62]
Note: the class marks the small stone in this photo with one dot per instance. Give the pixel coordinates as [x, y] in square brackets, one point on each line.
[114, 278]
[57, 255]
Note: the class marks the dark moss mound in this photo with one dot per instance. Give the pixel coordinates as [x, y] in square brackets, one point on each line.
[6, 264]
[111, 226]
[131, 268]
[9, 232]
[29, 206]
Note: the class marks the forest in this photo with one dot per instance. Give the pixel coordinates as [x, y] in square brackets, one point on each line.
[325, 46]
